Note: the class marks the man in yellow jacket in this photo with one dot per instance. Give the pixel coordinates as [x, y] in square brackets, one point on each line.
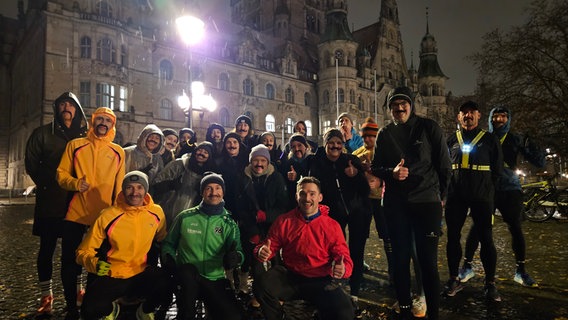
[115, 253]
[92, 167]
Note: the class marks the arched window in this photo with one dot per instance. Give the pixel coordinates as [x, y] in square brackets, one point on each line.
[104, 9]
[360, 103]
[123, 61]
[224, 117]
[224, 81]
[326, 97]
[248, 87]
[289, 124]
[308, 128]
[106, 51]
[341, 96]
[325, 126]
[269, 91]
[166, 109]
[352, 96]
[166, 70]
[85, 47]
[435, 90]
[307, 99]
[289, 95]
[270, 123]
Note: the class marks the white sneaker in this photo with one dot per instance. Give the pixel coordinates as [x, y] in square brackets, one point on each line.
[419, 307]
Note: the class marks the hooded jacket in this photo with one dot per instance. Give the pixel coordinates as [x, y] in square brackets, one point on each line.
[44, 149]
[138, 157]
[513, 145]
[309, 247]
[123, 236]
[101, 163]
[354, 143]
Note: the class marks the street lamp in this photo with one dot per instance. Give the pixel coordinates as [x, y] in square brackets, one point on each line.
[191, 30]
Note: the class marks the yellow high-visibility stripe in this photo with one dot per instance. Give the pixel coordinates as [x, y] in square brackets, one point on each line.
[471, 167]
[465, 154]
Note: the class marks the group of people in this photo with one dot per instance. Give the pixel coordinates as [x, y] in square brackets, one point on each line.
[173, 216]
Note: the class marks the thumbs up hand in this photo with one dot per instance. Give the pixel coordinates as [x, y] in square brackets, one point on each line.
[400, 172]
[292, 175]
[350, 170]
[264, 252]
[338, 269]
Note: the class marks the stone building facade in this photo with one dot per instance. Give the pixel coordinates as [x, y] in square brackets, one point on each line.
[278, 61]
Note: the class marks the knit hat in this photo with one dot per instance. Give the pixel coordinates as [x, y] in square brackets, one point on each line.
[267, 133]
[369, 127]
[135, 176]
[469, 105]
[259, 150]
[298, 137]
[344, 115]
[211, 177]
[169, 132]
[333, 132]
[243, 118]
[206, 145]
[403, 93]
[233, 135]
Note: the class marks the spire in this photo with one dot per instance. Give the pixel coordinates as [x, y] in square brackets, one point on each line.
[427, 23]
[429, 55]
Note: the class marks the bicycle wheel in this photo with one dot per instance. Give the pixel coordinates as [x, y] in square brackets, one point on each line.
[539, 211]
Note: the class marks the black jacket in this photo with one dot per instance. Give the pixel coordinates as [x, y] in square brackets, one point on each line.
[421, 143]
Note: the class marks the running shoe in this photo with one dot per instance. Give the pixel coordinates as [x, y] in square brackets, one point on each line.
[80, 295]
[452, 287]
[45, 305]
[491, 292]
[466, 274]
[115, 311]
[419, 307]
[525, 280]
[141, 315]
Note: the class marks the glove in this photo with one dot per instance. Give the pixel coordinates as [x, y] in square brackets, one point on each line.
[168, 264]
[255, 239]
[103, 268]
[231, 260]
[260, 216]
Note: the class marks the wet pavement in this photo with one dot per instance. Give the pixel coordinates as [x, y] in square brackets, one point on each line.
[547, 262]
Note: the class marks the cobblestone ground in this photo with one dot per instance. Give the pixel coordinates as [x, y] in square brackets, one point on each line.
[547, 253]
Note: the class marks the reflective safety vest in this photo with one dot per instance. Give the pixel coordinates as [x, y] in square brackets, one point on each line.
[466, 150]
[501, 142]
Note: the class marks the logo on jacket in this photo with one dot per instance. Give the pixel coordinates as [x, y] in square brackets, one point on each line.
[219, 230]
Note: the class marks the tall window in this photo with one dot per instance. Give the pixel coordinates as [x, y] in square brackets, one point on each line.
[224, 81]
[104, 9]
[326, 97]
[85, 47]
[352, 96]
[106, 51]
[269, 91]
[325, 126]
[248, 88]
[123, 55]
[123, 99]
[224, 117]
[360, 103]
[105, 95]
[289, 124]
[166, 70]
[166, 109]
[341, 96]
[270, 123]
[85, 94]
[307, 99]
[308, 128]
[289, 95]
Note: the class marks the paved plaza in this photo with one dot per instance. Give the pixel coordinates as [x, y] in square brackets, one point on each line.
[547, 252]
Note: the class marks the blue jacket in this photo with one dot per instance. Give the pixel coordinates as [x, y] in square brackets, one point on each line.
[512, 145]
[354, 143]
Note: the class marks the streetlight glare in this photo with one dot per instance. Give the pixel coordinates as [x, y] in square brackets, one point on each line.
[197, 88]
[183, 101]
[191, 29]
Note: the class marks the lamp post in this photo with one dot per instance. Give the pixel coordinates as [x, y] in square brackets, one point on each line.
[191, 30]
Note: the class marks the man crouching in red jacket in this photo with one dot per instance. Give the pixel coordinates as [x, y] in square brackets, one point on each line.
[314, 252]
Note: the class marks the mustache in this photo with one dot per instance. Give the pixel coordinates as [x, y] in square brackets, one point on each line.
[399, 111]
[335, 148]
[102, 125]
[243, 130]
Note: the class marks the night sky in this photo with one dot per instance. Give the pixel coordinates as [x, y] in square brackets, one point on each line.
[457, 26]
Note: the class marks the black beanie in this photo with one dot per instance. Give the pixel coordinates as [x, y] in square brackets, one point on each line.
[233, 135]
[170, 132]
[403, 93]
[298, 137]
[211, 177]
[243, 118]
[206, 145]
[333, 132]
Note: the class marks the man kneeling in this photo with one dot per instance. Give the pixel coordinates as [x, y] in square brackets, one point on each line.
[115, 252]
[314, 253]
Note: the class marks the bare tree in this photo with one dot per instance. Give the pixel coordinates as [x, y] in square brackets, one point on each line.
[527, 70]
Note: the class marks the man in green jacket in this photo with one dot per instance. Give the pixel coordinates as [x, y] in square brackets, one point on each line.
[203, 242]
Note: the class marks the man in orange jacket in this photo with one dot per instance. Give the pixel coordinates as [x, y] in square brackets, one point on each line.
[93, 168]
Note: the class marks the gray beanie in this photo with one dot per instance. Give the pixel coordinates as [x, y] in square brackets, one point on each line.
[259, 150]
[135, 176]
[211, 177]
[333, 132]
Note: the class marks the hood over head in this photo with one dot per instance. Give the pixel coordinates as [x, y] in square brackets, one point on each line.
[143, 136]
[109, 137]
[79, 125]
[504, 129]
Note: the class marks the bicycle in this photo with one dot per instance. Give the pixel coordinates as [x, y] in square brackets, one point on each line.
[543, 199]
